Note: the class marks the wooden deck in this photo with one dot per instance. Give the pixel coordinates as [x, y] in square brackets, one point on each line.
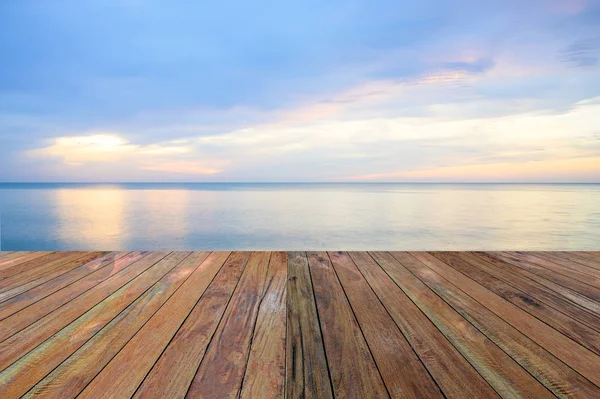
[316, 325]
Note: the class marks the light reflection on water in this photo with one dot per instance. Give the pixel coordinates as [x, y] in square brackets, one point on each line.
[300, 216]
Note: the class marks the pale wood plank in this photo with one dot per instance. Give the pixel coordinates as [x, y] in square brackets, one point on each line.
[265, 372]
[173, 372]
[126, 371]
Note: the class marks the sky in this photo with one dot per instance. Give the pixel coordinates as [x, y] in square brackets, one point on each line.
[276, 91]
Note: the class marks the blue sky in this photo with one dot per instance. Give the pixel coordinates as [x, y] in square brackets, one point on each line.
[138, 90]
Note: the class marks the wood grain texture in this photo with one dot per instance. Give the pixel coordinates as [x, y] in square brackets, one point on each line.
[71, 376]
[51, 275]
[298, 325]
[453, 374]
[93, 303]
[466, 264]
[402, 371]
[126, 371]
[507, 377]
[307, 373]
[265, 371]
[221, 371]
[31, 368]
[556, 376]
[109, 263]
[15, 259]
[353, 371]
[550, 281]
[172, 374]
[579, 358]
[35, 268]
[525, 282]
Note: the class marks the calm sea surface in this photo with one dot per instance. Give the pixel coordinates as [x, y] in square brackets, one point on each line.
[300, 216]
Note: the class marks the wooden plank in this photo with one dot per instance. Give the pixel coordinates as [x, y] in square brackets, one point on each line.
[94, 287]
[467, 264]
[403, 373]
[173, 372]
[579, 358]
[560, 379]
[307, 374]
[20, 376]
[17, 258]
[531, 284]
[562, 265]
[221, 371]
[5, 253]
[501, 261]
[126, 371]
[453, 374]
[116, 290]
[26, 271]
[353, 370]
[507, 377]
[265, 372]
[70, 378]
[52, 274]
[38, 293]
[585, 258]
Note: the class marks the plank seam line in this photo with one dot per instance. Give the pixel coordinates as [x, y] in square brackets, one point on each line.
[182, 323]
[358, 323]
[97, 332]
[149, 318]
[469, 321]
[398, 327]
[217, 327]
[31, 268]
[71, 283]
[506, 321]
[560, 296]
[50, 337]
[554, 293]
[550, 258]
[434, 325]
[64, 263]
[262, 297]
[312, 287]
[72, 299]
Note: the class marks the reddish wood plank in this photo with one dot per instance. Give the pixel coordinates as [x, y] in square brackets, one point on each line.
[40, 292]
[307, 374]
[31, 368]
[126, 371]
[118, 290]
[579, 358]
[265, 372]
[533, 272]
[23, 314]
[353, 370]
[17, 258]
[562, 265]
[532, 285]
[221, 371]
[453, 374]
[52, 274]
[402, 371]
[34, 268]
[467, 264]
[585, 258]
[560, 379]
[501, 371]
[173, 372]
[71, 376]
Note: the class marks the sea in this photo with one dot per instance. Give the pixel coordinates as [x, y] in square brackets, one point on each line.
[299, 216]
